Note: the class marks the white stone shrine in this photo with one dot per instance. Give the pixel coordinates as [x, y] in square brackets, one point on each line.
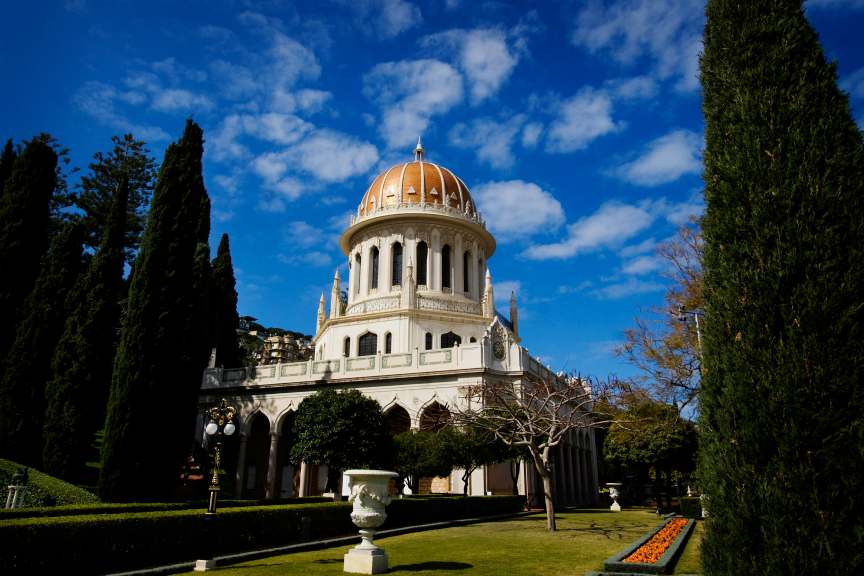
[420, 323]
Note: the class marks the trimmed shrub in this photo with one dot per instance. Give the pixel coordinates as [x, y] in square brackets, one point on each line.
[102, 543]
[97, 509]
[45, 490]
[691, 507]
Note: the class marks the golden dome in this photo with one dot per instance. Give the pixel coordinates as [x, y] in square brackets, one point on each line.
[417, 181]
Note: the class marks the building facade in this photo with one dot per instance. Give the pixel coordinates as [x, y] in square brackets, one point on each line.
[419, 325]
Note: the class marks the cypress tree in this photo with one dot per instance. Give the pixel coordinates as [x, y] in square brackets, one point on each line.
[7, 159]
[28, 366]
[25, 219]
[781, 441]
[153, 393]
[84, 358]
[225, 318]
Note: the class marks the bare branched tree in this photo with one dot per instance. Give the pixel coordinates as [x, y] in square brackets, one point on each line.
[538, 415]
[664, 348]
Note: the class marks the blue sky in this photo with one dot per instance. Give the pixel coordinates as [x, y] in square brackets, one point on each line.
[576, 125]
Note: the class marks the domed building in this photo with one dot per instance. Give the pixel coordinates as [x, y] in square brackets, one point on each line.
[419, 324]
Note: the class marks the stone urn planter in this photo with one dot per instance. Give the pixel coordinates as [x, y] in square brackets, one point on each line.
[369, 497]
[614, 494]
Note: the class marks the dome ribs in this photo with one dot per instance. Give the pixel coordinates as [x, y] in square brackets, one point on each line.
[412, 180]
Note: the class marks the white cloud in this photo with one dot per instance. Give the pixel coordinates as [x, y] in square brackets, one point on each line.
[305, 235]
[636, 88]
[483, 54]
[176, 72]
[278, 128]
[612, 224]
[503, 290]
[643, 265]
[628, 288]
[409, 93]
[174, 100]
[854, 82]
[97, 100]
[384, 18]
[635, 249]
[316, 259]
[515, 209]
[669, 32]
[578, 288]
[664, 160]
[492, 141]
[531, 134]
[236, 82]
[333, 156]
[582, 118]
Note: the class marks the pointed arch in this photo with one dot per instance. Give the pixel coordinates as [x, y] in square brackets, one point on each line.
[434, 416]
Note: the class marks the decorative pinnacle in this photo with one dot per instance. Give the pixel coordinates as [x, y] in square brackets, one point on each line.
[336, 276]
[419, 151]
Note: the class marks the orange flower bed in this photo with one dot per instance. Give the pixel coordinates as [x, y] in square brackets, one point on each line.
[652, 550]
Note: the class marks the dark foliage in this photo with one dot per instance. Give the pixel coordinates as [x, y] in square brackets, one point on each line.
[25, 221]
[127, 159]
[28, 365]
[7, 159]
[781, 432]
[84, 358]
[160, 358]
[224, 303]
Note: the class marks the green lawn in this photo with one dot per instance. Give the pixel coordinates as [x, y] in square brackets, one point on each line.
[511, 547]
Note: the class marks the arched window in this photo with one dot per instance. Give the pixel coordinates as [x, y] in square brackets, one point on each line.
[375, 267]
[450, 339]
[465, 272]
[388, 343]
[347, 346]
[398, 420]
[367, 345]
[473, 340]
[445, 267]
[397, 264]
[356, 273]
[428, 340]
[422, 255]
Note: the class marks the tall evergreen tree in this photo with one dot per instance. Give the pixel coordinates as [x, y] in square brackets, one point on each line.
[128, 158]
[153, 391]
[781, 438]
[28, 366]
[84, 358]
[25, 220]
[224, 303]
[7, 159]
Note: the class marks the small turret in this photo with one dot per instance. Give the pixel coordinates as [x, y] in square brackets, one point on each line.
[488, 297]
[321, 314]
[409, 289]
[335, 299]
[513, 316]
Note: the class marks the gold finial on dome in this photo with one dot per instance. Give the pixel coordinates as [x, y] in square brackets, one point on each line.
[419, 151]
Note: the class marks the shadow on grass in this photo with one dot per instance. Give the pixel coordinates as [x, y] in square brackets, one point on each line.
[329, 561]
[432, 566]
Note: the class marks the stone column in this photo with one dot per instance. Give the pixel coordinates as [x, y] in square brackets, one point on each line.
[271, 466]
[577, 474]
[584, 476]
[457, 268]
[560, 481]
[241, 467]
[568, 475]
[365, 269]
[595, 495]
[304, 479]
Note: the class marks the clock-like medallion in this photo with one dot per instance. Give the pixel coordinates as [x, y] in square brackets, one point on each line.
[498, 350]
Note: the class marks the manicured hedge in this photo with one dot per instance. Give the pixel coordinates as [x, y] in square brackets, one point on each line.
[691, 507]
[45, 490]
[103, 543]
[201, 506]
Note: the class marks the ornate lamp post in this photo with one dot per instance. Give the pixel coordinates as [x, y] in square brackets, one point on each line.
[220, 423]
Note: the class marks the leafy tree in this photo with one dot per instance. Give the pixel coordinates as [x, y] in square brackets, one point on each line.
[664, 348]
[655, 437]
[84, 358]
[249, 346]
[468, 448]
[225, 318]
[341, 429]
[7, 159]
[25, 220]
[28, 366]
[420, 455]
[783, 381]
[162, 350]
[127, 159]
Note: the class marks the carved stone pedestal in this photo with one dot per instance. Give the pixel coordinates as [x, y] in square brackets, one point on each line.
[369, 497]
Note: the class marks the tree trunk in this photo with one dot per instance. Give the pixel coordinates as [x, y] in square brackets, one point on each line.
[543, 469]
[515, 476]
[465, 477]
